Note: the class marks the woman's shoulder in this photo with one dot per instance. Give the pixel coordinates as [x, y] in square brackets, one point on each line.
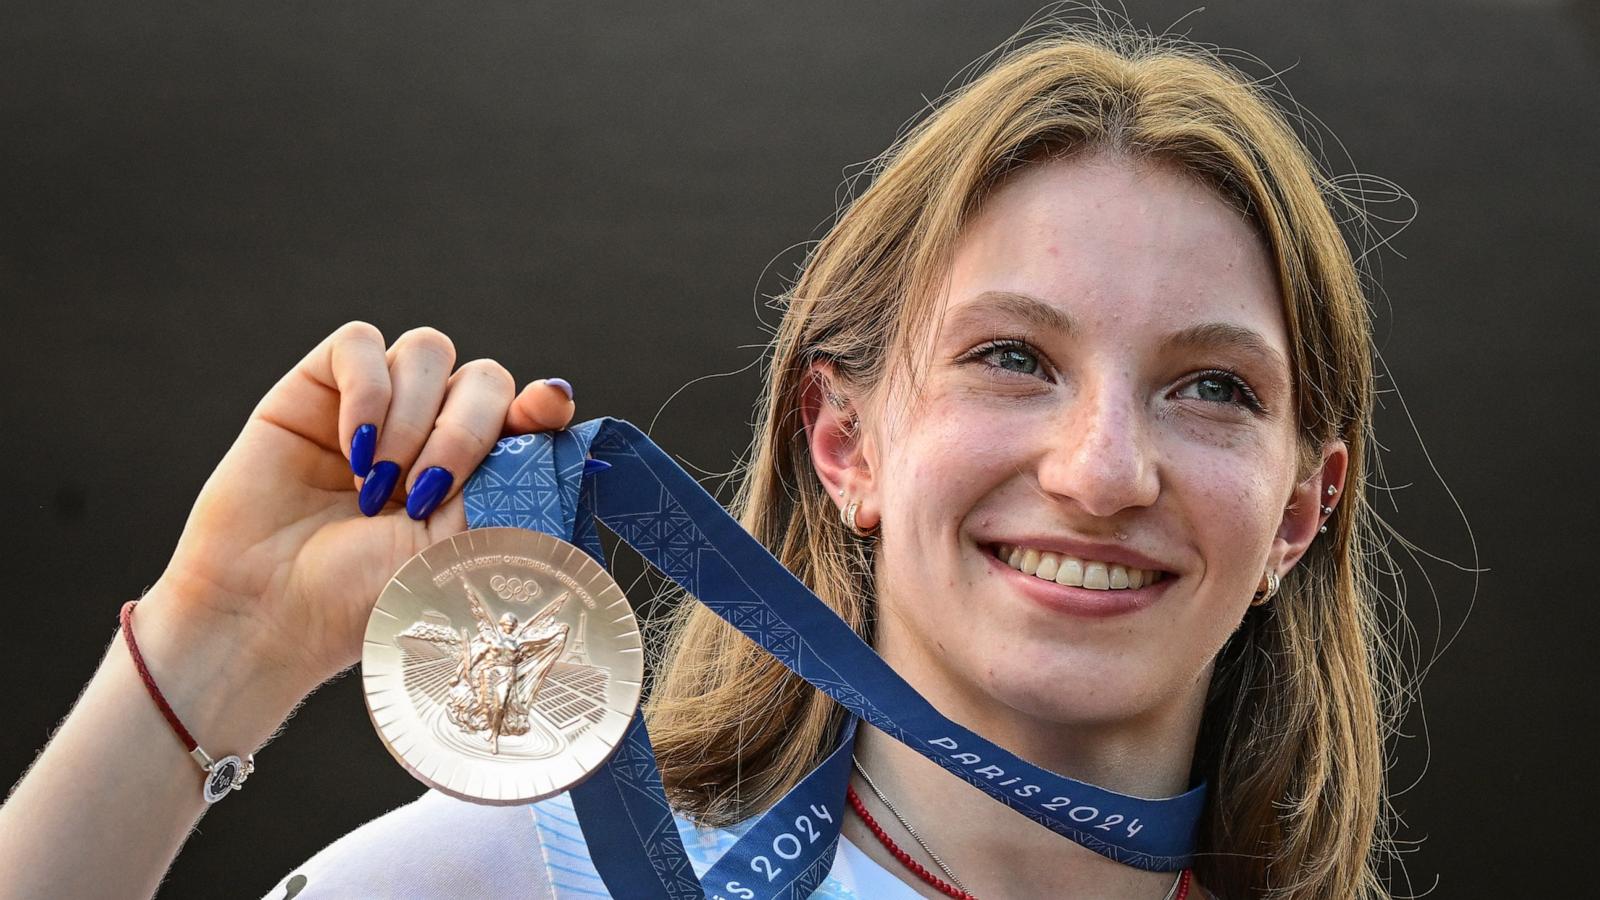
[434, 846]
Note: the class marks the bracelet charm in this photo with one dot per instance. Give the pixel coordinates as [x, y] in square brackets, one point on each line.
[222, 775]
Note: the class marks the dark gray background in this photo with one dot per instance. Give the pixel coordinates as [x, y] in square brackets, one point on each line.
[193, 196]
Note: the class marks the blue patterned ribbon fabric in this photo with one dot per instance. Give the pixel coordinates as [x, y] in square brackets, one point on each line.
[538, 482]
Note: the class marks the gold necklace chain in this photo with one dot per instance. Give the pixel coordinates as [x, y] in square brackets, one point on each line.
[929, 850]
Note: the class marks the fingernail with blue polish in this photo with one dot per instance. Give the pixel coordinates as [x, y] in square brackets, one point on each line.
[379, 485]
[563, 384]
[591, 466]
[361, 447]
[429, 489]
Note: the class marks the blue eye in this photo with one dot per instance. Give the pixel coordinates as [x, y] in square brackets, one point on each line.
[1009, 355]
[1222, 386]
[1217, 390]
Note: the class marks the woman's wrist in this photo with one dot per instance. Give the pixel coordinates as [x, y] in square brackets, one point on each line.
[228, 687]
[116, 777]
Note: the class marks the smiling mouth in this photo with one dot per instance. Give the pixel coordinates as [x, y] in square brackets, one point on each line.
[1074, 572]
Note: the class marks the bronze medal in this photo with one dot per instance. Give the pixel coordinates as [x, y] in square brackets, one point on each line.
[502, 665]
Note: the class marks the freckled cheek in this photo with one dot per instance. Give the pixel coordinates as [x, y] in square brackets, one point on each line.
[946, 456]
[1231, 503]
[1218, 441]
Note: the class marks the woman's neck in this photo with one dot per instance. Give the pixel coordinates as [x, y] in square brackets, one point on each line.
[994, 851]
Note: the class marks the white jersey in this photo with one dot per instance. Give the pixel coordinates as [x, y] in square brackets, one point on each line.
[438, 846]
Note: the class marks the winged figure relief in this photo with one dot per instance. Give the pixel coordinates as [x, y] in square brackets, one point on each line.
[495, 669]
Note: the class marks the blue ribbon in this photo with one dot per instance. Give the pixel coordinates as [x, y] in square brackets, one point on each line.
[537, 482]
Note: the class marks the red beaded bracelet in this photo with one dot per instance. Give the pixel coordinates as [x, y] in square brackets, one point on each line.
[222, 775]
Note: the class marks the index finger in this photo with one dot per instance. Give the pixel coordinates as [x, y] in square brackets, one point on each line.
[544, 405]
[359, 364]
[341, 384]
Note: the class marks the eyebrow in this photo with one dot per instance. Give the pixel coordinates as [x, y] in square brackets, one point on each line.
[1227, 336]
[1044, 316]
[1026, 307]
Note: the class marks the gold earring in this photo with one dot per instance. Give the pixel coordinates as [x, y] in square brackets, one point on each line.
[1263, 595]
[848, 516]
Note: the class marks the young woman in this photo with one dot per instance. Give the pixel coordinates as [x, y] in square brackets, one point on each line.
[1068, 415]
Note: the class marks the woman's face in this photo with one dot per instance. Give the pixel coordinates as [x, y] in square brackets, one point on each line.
[1108, 382]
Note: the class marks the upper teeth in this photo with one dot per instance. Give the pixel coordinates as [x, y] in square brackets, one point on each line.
[1070, 570]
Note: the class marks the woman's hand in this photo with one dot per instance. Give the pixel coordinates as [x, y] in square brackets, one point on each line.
[266, 597]
[278, 546]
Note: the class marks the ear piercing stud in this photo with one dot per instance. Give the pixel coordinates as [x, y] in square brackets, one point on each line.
[1326, 509]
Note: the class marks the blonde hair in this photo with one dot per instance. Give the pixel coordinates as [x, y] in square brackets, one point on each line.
[1301, 702]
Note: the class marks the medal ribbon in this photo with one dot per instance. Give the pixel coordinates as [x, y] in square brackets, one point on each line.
[537, 482]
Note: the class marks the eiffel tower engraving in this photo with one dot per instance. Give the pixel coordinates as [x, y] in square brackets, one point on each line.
[579, 650]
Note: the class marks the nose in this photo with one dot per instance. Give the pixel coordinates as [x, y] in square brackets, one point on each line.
[1099, 455]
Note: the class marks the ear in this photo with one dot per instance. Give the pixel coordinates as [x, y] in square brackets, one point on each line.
[1303, 517]
[841, 451]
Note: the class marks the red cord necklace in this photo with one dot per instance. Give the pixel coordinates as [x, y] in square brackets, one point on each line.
[939, 884]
